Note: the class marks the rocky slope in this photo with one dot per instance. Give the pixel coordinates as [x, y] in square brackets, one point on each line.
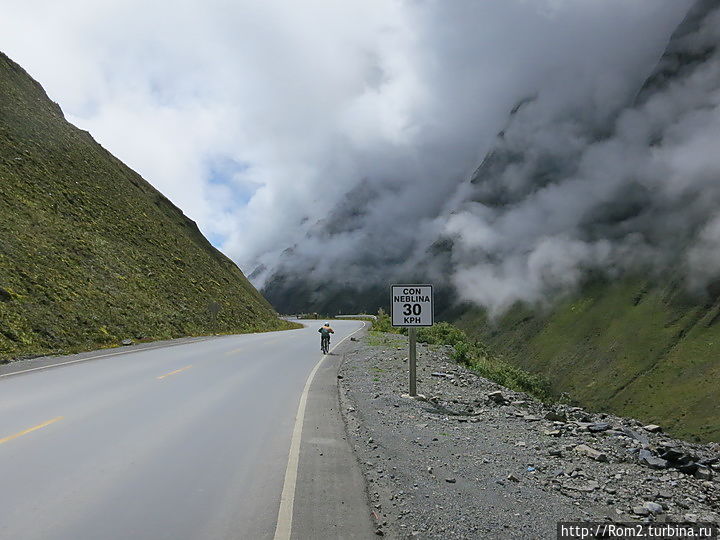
[640, 339]
[478, 460]
[90, 253]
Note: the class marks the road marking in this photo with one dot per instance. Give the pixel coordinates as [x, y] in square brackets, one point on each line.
[103, 356]
[283, 529]
[173, 372]
[30, 430]
[235, 351]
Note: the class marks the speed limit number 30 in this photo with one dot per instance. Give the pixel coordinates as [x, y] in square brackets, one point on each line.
[412, 305]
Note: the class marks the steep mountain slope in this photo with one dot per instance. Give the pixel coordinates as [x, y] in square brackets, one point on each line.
[644, 340]
[606, 225]
[90, 253]
[631, 346]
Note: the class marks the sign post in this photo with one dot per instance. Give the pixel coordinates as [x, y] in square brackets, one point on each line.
[412, 341]
[412, 306]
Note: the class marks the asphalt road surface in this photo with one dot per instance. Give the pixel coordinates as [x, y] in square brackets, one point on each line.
[190, 441]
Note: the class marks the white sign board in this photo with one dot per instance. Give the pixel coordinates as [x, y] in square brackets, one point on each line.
[412, 305]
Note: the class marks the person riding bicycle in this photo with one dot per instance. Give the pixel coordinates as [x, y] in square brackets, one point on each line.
[325, 332]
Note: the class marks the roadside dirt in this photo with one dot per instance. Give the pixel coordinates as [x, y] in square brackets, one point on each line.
[480, 461]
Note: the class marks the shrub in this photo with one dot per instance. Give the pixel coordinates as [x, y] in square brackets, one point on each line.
[473, 354]
[462, 353]
[383, 322]
[442, 334]
[511, 376]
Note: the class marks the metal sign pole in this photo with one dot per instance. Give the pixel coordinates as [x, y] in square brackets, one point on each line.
[412, 334]
[412, 306]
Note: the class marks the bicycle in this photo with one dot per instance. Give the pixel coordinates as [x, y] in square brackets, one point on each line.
[325, 344]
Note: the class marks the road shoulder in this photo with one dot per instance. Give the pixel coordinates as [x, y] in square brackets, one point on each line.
[331, 496]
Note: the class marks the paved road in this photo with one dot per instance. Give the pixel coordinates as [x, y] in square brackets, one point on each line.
[189, 441]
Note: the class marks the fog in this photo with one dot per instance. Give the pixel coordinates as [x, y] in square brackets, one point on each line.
[338, 142]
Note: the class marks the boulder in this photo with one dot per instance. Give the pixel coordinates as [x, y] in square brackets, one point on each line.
[642, 439]
[647, 458]
[703, 473]
[654, 508]
[497, 397]
[556, 416]
[598, 427]
[640, 511]
[688, 468]
[585, 450]
[675, 455]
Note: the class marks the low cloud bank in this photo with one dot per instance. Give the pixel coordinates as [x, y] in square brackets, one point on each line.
[339, 143]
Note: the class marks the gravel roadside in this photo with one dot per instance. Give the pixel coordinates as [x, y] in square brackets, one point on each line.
[480, 461]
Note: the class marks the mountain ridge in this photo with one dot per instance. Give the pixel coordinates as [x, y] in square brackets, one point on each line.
[92, 254]
[633, 336]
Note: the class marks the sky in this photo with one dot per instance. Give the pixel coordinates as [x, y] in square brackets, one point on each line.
[349, 131]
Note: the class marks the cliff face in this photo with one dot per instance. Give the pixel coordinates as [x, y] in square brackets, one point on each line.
[90, 253]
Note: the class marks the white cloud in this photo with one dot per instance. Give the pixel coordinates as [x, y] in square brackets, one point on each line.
[311, 100]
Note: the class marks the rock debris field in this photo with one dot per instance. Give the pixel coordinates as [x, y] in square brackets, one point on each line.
[477, 460]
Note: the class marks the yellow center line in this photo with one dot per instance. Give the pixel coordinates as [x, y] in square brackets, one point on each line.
[235, 351]
[173, 372]
[30, 430]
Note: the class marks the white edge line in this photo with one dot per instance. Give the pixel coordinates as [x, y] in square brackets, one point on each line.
[283, 529]
[118, 353]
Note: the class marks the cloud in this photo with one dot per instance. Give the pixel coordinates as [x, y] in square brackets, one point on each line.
[334, 141]
[639, 190]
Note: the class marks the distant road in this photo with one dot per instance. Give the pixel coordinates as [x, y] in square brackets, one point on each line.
[182, 442]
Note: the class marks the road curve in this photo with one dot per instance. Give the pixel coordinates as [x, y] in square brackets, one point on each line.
[182, 442]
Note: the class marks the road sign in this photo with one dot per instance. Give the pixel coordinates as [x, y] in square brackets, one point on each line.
[412, 305]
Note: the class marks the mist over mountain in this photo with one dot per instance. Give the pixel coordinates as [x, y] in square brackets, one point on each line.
[601, 159]
[565, 193]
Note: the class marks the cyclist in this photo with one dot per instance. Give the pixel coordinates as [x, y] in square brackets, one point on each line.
[325, 332]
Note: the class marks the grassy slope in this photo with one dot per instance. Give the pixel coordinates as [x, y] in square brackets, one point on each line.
[90, 253]
[625, 346]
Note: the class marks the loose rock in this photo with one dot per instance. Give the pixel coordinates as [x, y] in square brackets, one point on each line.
[585, 450]
[654, 508]
[497, 397]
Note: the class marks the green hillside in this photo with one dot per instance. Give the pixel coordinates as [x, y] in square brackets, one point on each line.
[90, 253]
[629, 346]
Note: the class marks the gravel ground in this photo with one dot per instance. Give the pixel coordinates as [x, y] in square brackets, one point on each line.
[477, 460]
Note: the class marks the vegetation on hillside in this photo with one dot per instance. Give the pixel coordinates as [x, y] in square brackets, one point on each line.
[90, 253]
[473, 354]
[630, 347]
